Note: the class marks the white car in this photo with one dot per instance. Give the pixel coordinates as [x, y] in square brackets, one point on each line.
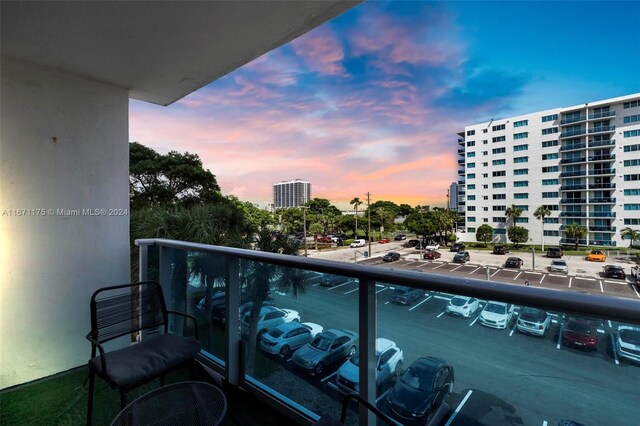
[628, 342]
[432, 246]
[358, 243]
[389, 358]
[533, 321]
[463, 306]
[496, 314]
[559, 265]
[288, 336]
[270, 317]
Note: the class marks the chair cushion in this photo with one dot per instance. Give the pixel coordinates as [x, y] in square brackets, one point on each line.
[146, 360]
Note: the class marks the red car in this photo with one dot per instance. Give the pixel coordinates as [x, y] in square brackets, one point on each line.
[432, 254]
[580, 333]
[384, 241]
[324, 240]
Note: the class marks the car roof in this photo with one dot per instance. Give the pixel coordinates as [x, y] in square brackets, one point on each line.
[428, 362]
[335, 332]
[383, 344]
[613, 267]
[288, 326]
[559, 261]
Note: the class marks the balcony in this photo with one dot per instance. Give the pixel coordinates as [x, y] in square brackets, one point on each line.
[598, 172]
[460, 171]
[573, 147]
[606, 142]
[572, 133]
[602, 129]
[573, 214]
[573, 187]
[573, 201]
[461, 151]
[608, 185]
[575, 119]
[573, 160]
[572, 241]
[461, 161]
[602, 228]
[602, 214]
[573, 174]
[461, 182]
[602, 200]
[608, 157]
[460, 141]
[599, 115]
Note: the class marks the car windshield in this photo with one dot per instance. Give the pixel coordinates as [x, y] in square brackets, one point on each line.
[459, 301]
[596, 252]
[559, 263]
[630, 336]
[320, 343]
[419, 378]
[401, 290]
[459, 254]
[578, 327]
[614, 268]
[496, 308]
[533, 314]
[275, 333]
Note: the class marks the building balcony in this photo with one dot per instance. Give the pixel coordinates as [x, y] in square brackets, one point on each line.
[460, 141]
[462, 203]
[572, 133]
[461, 182]
[609, 185]
[461, 161]
[573, 147]
[602, 129]
[602, 228]
[573, 160]
[573, 214]
[461, 151]
[602, 200]
[572, 241]
[460, 171]
[573, 174]
[602, 214]
[573, 201]
[599, 115]
[570, 120]
[606, 142]
[573, 187]
[598, 172]
[597, 158]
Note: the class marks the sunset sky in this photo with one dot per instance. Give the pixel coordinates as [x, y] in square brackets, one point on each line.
[372, 100]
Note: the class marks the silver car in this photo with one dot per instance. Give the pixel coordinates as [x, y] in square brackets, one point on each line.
[559, 265]
[389, 359]
[288, 336]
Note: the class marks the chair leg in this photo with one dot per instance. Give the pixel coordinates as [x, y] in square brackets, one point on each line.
[90, 401]
[123, 399]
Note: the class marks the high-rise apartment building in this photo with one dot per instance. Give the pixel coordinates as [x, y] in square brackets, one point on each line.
[456, 197]
[582, 162]
[293, 193]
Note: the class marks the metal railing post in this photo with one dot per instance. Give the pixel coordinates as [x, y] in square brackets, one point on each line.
[368, 326]
[143, 263]
[235, 356]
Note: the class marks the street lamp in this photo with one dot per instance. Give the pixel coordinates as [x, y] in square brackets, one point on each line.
[304, 228]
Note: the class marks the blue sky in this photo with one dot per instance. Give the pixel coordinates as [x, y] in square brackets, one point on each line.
[372, 100]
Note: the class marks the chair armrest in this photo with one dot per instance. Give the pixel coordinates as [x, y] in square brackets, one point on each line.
[195, 322]
[103, 358]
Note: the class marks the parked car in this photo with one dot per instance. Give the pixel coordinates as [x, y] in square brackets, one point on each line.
[496, 314]
[533, 321]
[627, 341]
[554, 252]
[613, 271]
[330, 280]
[389, 358]
[580, 333]
[421, 389]
[500, 249]
[270, 317]
[462, 305]
[458, 247]
[399, 237]
[392, 256]
[246, 306]
[596, 256]
[358, 243]
[432, 246]
[384, 241]
[218, 305]
[432, 254]
[288, 336]
[559, 265]
[406, 295]
[513, 262]
[324, 240]
[461, 257]
[411, 243]
[326, 348]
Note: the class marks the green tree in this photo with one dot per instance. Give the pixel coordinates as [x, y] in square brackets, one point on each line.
[575, 231]
[484, 234]
[420, 223]
[513, 213]
[540, 213]
[292, 219]
[518, 235]
[405, 210]
[356, 203]
[630, 233]
[171, 179]
[322, 206]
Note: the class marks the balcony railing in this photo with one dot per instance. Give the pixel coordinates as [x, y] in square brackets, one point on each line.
[191, 274]
[573, 160]
[608, 157]
[573, 146]
[604, 114]
[573, 201]
[602, 214]
[596, 172]
[573, 119]
[573, 241]
[461, 151]
[461, 161]
[602, 129]
[573, 214]
[460, 171]
[570, 133]
[606, 142]
[573, 187]
[602, 200]
[461, 182]
[602, 228]
[609, 185]
[573, 174]
[461, 141]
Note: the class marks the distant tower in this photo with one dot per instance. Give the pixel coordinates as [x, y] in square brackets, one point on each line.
[453, 196]
[293, 193]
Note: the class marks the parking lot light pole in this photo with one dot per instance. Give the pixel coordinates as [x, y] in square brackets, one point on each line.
[533, 259]
[304, 228]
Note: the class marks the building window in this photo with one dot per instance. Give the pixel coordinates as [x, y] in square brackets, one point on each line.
[471, 165]
[471, 197]
[520, 183]
[521, 160]
[631, 133]
[549, 233]
[550, 131]
[552, 117]
[485, 152]
[632, 221]
[521, 195]
[522, 135]
[485, 175]
[471, 219]
[552, 207]
[484, 130]
[471, 208]
[499, 185]
[551, 220]
[471, 229]
[632, 118]
[471, 132]
[498, 150]
[547, 144]
[629, 178]
[471, 143]
[498, 139]
[632, 192]
[630, 104]
[520, 147]
[499, 162]
[485, 197]
[499, 208]
[485, 164]
[499, 196]
[499, 231]
[471, 154]
[517, 172]
[500, 173]
[550, 182]
[485, 220]
[471, 176]
[498, 127]
[632, 148]
[550, 195]
[628, 163]
[551, 156]
[550, 169]
[499, 219]
[632, 206]
[523, 207]
[522, 220]
[471, 186]
[520, 123]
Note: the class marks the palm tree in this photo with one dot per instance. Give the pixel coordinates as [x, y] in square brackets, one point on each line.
[575, 231]
[540, 213]
[513, 213]
[633, 235]
[355, 203]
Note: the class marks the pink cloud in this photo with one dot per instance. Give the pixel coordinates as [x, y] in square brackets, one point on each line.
[321, 51]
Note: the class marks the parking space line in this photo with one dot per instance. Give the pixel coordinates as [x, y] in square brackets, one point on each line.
[587, 279]
[340, 285]
[441, 314]
[387, 302]
[351, 291]
[474, 270]
[556, 275]
[316, 285]
[412, 308]
[613, 349]
[440, 266]
[544, 423]
[383, 395]
[442, 298]
[616, 282]
[636, 291]
[455, 413]
[570, 279]
[457, 267]
[381, 290]
[600, 331]
[516, 277]
[474, 321]
[610, 326]
[542, 279]
[560, 336]
[380, 285]
[329, 376]
[497, 270]
[513, 329]
[601, 288]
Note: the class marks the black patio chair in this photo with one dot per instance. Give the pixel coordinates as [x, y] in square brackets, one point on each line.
[121, 310]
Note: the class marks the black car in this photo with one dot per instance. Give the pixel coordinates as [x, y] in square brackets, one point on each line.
[406, 295]
[399, 237]
[392, 256]
[461, 257]
[218, 304]
[422, 389]
[329, 280]
[613, 271]
[326, 348]
[513, 262]
[458, 247]
[411, 243]
[554, 252]
[500, 250]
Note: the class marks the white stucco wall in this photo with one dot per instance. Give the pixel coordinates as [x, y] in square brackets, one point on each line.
[64, 145]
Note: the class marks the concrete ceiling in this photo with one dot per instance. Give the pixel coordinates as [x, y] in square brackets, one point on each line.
[160, 50]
